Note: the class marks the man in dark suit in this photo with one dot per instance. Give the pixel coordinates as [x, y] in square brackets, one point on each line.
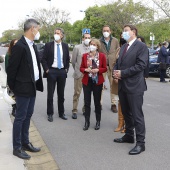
[55, 62]
[163, 59]
[129, 71]
[24, 78]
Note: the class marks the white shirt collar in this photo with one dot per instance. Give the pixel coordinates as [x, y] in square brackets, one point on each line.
[57, 43]
[132, 41]
[29, 42]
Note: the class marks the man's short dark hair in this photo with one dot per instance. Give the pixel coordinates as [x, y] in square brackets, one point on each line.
[106, 26]
[132, 27]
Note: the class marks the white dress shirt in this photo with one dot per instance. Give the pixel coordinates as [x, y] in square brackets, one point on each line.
[130, 43]
[34, 59]
[55, 64]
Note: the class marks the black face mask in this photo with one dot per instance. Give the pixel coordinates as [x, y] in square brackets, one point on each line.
[122, 41]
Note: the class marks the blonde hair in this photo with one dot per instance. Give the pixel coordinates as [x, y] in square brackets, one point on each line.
[97, 42]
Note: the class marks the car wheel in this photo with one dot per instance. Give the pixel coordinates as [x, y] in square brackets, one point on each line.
[168, 71]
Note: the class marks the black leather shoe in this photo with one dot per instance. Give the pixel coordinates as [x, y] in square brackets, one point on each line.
[114, 108]
[137, 150]
[63, 117]
[97, 127]
[21, 154]
[86, 126]
[74, 116]
[30, 147]
[124, 139]
[50, 118]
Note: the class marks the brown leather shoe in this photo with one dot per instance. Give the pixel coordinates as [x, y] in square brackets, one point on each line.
[114, 108]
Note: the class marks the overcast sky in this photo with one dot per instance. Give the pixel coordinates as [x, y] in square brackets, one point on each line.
[13, 11]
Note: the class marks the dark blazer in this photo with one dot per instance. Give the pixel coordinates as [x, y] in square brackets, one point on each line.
[20, 73]
[132, 66]
[48, 56]
[146, 71]
[102, 68]
[163, 56]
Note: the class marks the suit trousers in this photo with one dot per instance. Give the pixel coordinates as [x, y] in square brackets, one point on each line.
[76, 96]
[113, 97]
[162, 75]
[24, 111]
[56, 76]
[131, 105]
[97, 90]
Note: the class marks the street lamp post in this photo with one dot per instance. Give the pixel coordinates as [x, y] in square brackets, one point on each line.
[152, 34]
[82, 27]
[49, 11]
[50, 3]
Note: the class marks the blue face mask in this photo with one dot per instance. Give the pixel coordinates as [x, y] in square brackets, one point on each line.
[126, 36]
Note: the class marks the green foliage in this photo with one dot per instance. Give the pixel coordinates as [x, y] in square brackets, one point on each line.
[94, 20]
[164, 6]
[8, 35]
[116, 14]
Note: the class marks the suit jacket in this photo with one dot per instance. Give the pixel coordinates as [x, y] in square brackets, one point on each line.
[111, 54]
[163, 56]
[132, 66]
[20, 73]
[77, 55]
[102, 68]
[48, 56]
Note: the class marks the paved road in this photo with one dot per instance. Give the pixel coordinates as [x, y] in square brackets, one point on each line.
[75, 149]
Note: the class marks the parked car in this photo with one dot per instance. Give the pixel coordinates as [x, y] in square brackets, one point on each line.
[154, 66]
[40, 48]
[152, 51]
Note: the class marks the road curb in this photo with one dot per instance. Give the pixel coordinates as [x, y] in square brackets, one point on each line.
[42, 160]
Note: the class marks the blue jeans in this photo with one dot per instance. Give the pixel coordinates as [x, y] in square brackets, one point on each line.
[24, 111]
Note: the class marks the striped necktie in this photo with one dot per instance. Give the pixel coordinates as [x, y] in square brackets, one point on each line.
[125, 50]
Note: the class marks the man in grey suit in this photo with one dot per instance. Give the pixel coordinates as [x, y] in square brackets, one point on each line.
[129, 71]
[78, 51]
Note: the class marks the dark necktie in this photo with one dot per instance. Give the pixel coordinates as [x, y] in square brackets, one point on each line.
[58, 57]
[124, 52]
[94, 65]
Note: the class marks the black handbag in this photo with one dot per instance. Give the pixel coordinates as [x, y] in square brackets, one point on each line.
[162, 66]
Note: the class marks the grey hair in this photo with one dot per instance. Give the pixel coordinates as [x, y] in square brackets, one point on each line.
[165, 43]
[62, 31]
[30, 23]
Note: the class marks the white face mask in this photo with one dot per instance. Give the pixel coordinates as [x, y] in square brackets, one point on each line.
[126, 36]
[86, 42]
[93, 48]
[56, 37]
[106, 34]
[37, 36]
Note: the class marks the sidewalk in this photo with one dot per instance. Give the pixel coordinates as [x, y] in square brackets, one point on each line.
[7, 160]
[39, 161]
